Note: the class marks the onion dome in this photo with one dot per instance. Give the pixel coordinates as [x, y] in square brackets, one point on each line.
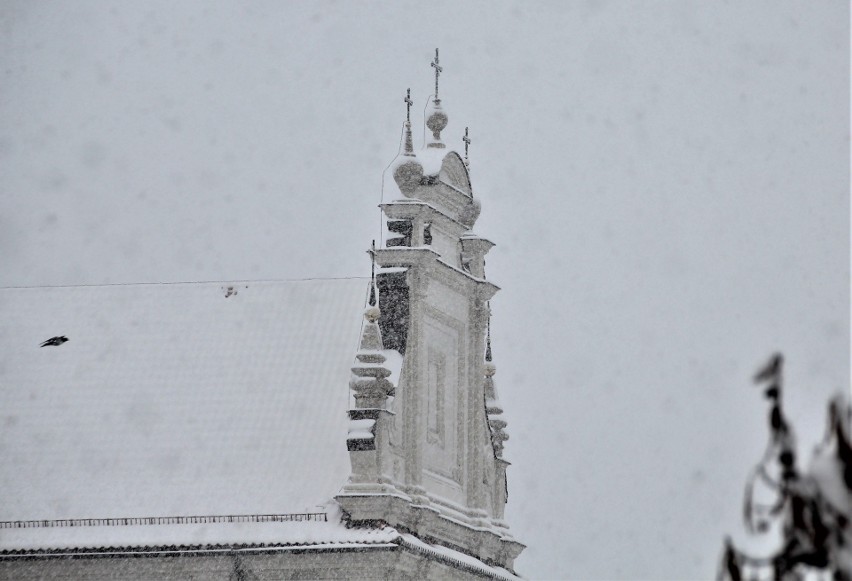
[407, 171]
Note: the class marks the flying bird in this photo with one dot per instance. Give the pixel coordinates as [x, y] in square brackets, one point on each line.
[54, 341]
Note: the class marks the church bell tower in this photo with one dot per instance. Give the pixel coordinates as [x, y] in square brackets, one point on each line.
[426, 433]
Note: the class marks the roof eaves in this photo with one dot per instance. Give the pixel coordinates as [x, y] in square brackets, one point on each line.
[187, 550]
[455, 559]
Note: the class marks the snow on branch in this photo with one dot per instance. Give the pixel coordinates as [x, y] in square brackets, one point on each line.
[801, 515]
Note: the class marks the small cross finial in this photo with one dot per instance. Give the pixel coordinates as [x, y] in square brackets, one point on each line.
[372, 299]
[408, 104]
[373, 260]
[466, 140]
[438, 71]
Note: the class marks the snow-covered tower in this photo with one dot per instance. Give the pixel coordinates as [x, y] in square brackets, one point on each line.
[426, 453]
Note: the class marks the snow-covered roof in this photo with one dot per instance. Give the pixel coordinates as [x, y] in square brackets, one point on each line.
[175, 399]
[301, 534]
[325, 528]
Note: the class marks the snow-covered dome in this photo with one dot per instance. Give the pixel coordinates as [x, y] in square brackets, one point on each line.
[407, 170]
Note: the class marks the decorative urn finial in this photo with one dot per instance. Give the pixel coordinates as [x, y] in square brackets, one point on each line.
[436, 120]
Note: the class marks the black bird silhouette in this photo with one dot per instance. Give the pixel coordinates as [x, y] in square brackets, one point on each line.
[55, 341]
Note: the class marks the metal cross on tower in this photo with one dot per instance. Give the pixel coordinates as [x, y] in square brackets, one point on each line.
[438, 71]
[408, 104]
[372, 251]
[466, 140]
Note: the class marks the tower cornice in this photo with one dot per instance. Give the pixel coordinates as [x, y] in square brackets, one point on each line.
[430, 262]
[411, 209]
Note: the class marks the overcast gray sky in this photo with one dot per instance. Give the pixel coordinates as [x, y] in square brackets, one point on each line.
[667, 184]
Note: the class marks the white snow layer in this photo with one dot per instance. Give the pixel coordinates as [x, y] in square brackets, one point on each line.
[311, 533]
[284, 535]
[361, 429]
[460, 558]
[175, 399]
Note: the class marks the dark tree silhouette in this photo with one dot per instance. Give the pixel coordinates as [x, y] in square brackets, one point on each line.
[811, 509]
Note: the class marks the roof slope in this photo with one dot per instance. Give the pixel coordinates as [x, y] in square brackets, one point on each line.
[175, 399]
[200, 538]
